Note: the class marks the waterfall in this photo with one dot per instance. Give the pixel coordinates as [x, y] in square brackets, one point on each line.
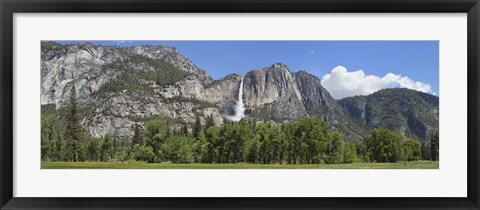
[239, 107]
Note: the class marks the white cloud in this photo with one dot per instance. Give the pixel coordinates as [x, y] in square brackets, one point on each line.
[341, 83]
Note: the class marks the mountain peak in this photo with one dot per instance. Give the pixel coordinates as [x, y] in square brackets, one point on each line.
[279, 66]
[232, 77]
[85, 44]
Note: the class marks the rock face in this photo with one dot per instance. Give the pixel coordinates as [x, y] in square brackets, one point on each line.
[223, 93]
[412, 113]
[275, 93]
[118, 88]
[85, 65]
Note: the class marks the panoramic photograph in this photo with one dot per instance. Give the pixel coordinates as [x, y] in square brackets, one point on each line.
[127, 104]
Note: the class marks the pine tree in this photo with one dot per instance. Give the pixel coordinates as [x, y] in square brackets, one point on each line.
[198, 128]
[137, 135]
[425, 151]
[209, 123]
[434, 147]
[106, 148]
[185, 129]
[72, 126]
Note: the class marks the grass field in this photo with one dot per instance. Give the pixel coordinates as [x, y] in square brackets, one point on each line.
[137, 165]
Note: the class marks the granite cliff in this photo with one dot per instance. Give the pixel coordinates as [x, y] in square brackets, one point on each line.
[118, 88]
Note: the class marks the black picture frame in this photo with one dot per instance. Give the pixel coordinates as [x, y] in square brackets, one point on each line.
[9, 7]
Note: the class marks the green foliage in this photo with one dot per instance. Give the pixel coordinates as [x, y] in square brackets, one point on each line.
[184, 130]
[272, 142]
[426, 151]
[311, 140]
[93, 150]
[434, 147]
[336, 150]
[139, 165]
[253, 150]
[307, 141]
[156, 133]
[56, 152]
[350, 153]
[197, 128]
[142, 153]
[209, 122]
[201, 149]
[106, 148]
[130, 79]
[137, 135]
[362, 152]
[47, 127]
[179, 149]
[164, 73]
[229, 143]
[244, 136]
[73, 130]
[47, 135]
[181, 99]
[48, 109]
[214, 144]
[388, 109]
[126, 81]
[384, 146]
[411, 149]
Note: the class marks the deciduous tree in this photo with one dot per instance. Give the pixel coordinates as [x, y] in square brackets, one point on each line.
[383, 146]
[411, 149]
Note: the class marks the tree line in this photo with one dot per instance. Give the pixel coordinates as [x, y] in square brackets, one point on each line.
[307, 141]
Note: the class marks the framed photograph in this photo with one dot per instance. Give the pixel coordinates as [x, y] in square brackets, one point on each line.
[239, 104]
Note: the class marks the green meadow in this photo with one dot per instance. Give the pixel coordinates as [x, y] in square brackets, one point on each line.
[140, 165]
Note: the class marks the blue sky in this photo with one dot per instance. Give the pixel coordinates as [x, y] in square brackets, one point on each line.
[418, 60]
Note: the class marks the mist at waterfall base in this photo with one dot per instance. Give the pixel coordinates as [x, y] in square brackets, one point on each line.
[239, 107]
